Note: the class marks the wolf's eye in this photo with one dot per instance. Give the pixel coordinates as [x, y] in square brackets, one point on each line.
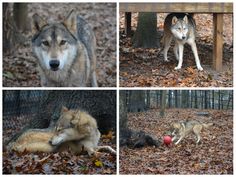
[63, 42]
[46, 43]
[179, 29]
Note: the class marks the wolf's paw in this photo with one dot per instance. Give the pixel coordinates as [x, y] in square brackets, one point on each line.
[56, 141]
[200, 68]
[166, 60]
[178, 68]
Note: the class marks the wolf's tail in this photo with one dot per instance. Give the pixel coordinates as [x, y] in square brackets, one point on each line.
[207, 125]
[106, 149]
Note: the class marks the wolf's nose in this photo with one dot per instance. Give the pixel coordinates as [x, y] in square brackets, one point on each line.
[54, 64]
[183, 37]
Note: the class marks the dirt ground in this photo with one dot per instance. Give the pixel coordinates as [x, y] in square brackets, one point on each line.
[19, 69]
[146, 67]
[214, 155]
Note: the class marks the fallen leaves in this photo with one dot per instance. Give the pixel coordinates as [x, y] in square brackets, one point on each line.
[213, 156]
[60, 162]
[147, 68]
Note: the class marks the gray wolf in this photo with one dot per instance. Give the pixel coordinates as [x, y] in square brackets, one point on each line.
[65, 52]
[75, 130]
[37, 140]
[184, 128]
[182, 28]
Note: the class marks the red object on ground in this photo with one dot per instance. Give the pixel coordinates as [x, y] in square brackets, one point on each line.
[167, 140]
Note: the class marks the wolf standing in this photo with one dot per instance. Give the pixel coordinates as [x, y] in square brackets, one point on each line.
[181, 28]
[65, 52]
[184, 128]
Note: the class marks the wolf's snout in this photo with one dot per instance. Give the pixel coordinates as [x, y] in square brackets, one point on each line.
[54, 64]
[183, 37]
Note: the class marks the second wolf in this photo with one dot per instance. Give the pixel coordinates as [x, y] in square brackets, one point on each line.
[182, 28]
[65, 52]
[182, 129]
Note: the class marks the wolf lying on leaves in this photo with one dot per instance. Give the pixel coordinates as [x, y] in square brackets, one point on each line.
[75, 130]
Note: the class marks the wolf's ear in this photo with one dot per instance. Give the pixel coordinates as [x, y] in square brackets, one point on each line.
[64, 109]
[38, 23]
[174, 20]
[71, 22]
[185, 19]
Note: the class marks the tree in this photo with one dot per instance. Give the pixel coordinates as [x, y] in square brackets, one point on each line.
[14, 25]
[8, 37]
[185, 98]
[213, 99]
[146, 34]
[137, 101]
[20, 16]
[148, 99]
[206, 99]
[163, 103]
[123, 110]
[176, 98]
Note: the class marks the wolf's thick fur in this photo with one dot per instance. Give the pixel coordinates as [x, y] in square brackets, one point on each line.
[80, 126]
[75, 130]
[184, 128]
[37, 140]
[65, 52]
[182, 28]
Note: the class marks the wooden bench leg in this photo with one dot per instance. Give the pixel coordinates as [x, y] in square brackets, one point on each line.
[217, 41]
[128, 23]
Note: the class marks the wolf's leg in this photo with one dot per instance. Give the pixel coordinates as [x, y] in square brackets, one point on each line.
[179, 140]
[181, 50]
[66, 135]
[174, 138]
[167, 42]
[94, 79]
[89, 147]
[194, 49]
[197, 131]
[106, 148]
[176, 51]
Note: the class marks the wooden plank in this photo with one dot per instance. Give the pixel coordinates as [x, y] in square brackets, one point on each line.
[177, 7]
[217, 41]
[128, 23]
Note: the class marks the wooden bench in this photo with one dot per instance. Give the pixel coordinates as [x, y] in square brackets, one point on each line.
[218, 9]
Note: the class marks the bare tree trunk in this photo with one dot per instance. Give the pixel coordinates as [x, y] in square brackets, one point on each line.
[176, 99]
[137, 101]
[123, 109]
[8, 30]
[20, 16]
[146, 33]
[163, 103]
[213, 99]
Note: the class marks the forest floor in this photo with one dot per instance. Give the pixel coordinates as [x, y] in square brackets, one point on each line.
[19, 69]
[213, 156]
[58, 162]
[141, 67]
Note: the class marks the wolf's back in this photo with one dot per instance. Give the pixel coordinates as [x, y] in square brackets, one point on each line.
[33, 140]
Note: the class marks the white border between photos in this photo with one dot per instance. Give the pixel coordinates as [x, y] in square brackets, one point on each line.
[114, 88]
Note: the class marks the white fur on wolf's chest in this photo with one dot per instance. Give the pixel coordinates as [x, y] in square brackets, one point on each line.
[181, 31]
